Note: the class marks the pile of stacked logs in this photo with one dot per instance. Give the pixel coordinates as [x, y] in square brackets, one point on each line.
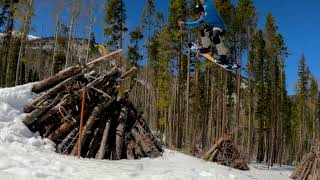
[226, 153]
[112, 127]
[309, 167]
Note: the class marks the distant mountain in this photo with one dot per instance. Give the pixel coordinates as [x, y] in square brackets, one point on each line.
[15, 33]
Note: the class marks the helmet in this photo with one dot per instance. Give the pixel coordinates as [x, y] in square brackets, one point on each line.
[199, 8]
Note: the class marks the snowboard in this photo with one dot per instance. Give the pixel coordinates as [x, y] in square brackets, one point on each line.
[195, 49]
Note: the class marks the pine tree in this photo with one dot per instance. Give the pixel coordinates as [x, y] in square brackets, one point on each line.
[134, 55]
[226, 9]
[312, 120]
[148, 26]
[284, 112]
[148, 20]
[115, 20]
[227, 82]
[272, 78]
[177, 10]
[302, 96]
[8, 12]
[318, 120]
[12, 62]
[246, 24]
[257, 56]
[4, 13]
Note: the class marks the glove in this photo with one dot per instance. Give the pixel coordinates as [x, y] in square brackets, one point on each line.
[181, 24]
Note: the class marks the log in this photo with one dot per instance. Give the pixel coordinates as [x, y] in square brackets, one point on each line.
[102, 149]
[299, 168]
[104, 59]
[62, 131]
[95, 142]
[145, 143]
[57, 78]
[120, 132]
[302, 166]
[213, 154]
[51, 93]
[71, 71]
[144, 125]
[124, 75]
[49, 129]
[105, 78]
[91, 121]
[59, 86]
[67, 141]
[130, 152]
[138, 151]
[211, 150]
[306, 168]
[28, 121]
[33, 116]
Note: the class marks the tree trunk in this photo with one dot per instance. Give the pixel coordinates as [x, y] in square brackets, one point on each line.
[68, 63]
[55, 44]
[238, 104]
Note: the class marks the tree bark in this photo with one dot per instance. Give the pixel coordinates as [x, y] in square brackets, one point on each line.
[145, 143]
[62, 131]
[91, 121]
[101, 152]
[120, 133]
[214, 147]
[55, 44]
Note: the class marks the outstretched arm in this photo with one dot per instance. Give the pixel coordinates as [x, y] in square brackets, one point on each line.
[194, 23]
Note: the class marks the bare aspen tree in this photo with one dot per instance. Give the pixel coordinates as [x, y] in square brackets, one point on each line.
[26, 13]
[92, 19]
[74, 17]
[58, 9]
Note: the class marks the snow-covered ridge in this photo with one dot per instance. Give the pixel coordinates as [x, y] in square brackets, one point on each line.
[24, 155]
[30, 37]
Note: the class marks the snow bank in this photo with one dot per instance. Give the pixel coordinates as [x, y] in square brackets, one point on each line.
[24, 155]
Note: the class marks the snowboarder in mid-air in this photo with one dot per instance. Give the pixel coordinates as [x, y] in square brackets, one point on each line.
[213, 31]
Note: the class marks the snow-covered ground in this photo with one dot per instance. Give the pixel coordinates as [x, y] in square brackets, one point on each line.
[24, 155]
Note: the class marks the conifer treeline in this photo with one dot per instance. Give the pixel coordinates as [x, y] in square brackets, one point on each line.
[191, 103]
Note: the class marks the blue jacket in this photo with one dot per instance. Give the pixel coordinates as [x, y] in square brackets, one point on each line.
[211, 17]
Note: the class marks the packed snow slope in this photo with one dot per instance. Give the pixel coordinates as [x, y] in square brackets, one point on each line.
[24, 155]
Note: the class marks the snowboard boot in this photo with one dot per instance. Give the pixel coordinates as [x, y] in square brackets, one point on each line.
[193, 46]
[204, 50]
[235, 66]
[223, 60]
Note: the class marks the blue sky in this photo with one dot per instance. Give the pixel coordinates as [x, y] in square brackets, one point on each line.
[298, 22]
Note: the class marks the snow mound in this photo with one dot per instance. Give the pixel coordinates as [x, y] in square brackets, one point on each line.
[25, 155]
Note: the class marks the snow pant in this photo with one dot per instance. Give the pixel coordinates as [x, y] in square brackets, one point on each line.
[213, 36]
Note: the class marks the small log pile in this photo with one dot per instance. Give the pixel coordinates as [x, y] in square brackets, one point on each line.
[112, 128]
[226, 153]
[308, 168]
